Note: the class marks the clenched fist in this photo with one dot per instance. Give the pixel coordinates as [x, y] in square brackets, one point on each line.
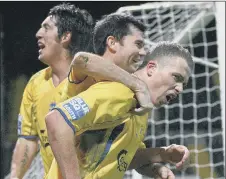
[176, 154]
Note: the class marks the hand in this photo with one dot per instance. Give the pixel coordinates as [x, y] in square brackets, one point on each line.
[143, 97]
[162, 172]
[178, 155]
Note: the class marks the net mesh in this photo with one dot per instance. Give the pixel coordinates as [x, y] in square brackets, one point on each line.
[194, 119]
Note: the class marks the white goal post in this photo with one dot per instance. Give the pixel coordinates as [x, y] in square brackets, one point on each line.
[220, 16]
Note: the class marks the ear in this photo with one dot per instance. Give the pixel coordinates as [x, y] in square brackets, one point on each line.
[111, 43]
[151, 67]
[66, 38]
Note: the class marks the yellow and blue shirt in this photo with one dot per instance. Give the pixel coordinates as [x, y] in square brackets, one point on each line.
[107, 133]
[39, 97]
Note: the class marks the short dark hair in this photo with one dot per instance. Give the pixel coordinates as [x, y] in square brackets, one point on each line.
[78, 22]
[116, 25]
[168, 49]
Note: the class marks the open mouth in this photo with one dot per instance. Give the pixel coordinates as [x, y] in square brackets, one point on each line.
[41, 45]
[170, 97]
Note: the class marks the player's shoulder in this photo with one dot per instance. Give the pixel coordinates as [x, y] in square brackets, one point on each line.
[38, 77]
[113, 88]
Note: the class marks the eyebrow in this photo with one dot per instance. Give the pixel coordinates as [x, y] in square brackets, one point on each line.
[140, 41]
[45, 25]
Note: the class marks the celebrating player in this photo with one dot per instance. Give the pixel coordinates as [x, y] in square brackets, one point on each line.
[105, 133]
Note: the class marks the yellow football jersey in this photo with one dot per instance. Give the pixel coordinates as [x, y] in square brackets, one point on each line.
[107, 133]
[39, 97]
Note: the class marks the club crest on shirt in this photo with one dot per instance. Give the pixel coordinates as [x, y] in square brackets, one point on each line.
[122, 164]
[77, 108]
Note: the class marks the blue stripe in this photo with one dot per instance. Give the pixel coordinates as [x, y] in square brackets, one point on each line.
[28, 137]
[114, 134]
[65, 118]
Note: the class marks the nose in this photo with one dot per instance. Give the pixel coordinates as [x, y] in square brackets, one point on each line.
[179, 88]
[142, 52]
[38, 34]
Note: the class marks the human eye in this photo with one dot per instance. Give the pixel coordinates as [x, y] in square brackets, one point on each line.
[46, 26]
[139, 44]
[176, 77]
[179, 79]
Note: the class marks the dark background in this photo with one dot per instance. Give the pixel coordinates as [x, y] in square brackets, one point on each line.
[19, 22]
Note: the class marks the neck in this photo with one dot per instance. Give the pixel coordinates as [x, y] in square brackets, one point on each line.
[60, 69]
[142, 75]
[108, 56]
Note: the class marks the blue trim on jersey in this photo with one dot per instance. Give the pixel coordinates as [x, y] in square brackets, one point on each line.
[28, 136]
[65, 118]
[114, 134]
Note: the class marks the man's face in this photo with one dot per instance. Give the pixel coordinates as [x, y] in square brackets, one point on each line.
[168, 80]
[130, 52]
[48, 41]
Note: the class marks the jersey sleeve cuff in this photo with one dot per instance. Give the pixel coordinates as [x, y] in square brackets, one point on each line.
[28, 136]
[66, 118]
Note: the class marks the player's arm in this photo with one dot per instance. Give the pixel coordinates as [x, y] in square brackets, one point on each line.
[93, 65]
[156, 171]
[174, 154]
[24, 152]
[62, 142]
[147, 167]
[27, 145]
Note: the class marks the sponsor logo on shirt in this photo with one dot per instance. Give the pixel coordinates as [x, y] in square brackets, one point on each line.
[122, 164]
[77, 108]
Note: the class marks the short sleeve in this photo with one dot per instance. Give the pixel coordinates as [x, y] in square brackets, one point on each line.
[26, 125]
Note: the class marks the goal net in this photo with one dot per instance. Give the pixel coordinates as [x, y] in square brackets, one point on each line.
[195, 118]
